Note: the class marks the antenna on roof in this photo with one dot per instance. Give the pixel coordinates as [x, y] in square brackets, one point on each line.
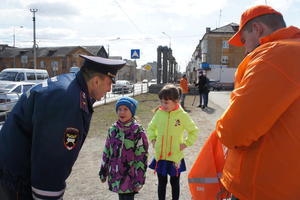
[220, 18]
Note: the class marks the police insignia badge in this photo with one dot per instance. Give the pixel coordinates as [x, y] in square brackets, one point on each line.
[71, 138]
[83, 102]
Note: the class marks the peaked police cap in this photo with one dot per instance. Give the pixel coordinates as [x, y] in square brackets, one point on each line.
[105, 66]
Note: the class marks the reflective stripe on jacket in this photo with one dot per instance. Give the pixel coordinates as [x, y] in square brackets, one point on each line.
[204, 176]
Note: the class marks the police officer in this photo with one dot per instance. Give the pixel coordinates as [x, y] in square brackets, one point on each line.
[45, 131]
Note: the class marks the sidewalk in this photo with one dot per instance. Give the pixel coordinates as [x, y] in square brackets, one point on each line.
[220, 98]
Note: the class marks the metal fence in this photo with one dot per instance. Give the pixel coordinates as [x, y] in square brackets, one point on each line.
[111, 97]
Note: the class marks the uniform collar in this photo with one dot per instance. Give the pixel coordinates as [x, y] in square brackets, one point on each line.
[284, 33]
[83, 86]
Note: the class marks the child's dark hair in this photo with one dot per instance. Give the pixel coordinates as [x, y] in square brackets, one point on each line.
[170, 92]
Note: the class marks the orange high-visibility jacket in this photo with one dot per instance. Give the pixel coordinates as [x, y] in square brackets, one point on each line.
[184, 85]
[204, 176]
[261, 126]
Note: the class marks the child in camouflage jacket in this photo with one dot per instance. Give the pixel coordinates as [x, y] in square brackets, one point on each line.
[124, 160]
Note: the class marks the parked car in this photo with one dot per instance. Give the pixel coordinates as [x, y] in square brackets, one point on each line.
[145, 81]
[23, 74]
[10, 93]
[214, 85]
[153, 81]
[122, 86]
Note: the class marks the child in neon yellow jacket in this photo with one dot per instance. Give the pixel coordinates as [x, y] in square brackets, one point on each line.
[166, 133]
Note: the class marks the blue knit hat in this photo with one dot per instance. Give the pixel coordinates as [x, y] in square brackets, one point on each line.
[129, 103]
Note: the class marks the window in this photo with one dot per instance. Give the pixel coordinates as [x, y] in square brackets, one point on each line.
[8, 76]
[30, 76]
[54, 65]
[45, 76]
[42, 64]
[26, 88]
[17, 89]
[20, 77]
[224, 60]
[39, 76]
[225, 44]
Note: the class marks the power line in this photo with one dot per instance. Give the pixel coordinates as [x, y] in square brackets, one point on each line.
[130, 20]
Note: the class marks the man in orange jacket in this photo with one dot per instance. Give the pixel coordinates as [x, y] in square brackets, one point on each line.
[261, 126]
[184, 89]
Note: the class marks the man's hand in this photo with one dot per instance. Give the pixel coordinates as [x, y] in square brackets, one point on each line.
[153, 143]
[182, 147]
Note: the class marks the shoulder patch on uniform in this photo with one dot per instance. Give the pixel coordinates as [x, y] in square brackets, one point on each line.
[53, 79]
[83, 102]
[71, 137]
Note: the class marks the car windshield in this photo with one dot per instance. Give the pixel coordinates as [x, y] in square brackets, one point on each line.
[4, 88]
[8, 76]
[120, 82]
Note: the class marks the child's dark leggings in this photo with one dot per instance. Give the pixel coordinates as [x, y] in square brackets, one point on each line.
[162, 186]
[127, 196]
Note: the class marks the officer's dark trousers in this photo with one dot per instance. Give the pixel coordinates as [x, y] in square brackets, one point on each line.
[8, 194]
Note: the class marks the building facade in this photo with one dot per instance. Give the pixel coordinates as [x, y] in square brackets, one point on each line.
[214, 51]
[56, 60]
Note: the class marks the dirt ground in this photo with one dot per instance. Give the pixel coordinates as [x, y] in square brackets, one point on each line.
[84, 183]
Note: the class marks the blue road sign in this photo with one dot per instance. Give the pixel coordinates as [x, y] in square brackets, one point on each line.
[135, 54]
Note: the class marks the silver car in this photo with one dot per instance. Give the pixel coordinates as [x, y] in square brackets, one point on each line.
[122, 86]
[10, 93]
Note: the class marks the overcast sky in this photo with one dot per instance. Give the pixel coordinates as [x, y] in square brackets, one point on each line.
[123, 25]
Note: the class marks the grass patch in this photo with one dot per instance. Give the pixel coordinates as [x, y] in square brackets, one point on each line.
[105, 115]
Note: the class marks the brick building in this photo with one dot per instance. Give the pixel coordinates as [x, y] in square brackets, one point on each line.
[56, 60]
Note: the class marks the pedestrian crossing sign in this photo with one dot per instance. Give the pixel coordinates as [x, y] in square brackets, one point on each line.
[135, 54]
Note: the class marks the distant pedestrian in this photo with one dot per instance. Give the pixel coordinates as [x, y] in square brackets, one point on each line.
[184, 88]
[166, 133]
[203, 86]
[124, 160]
[43, 134]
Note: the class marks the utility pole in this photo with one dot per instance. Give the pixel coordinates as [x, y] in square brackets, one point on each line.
[14, 35]
[168, 37]
[118, 38]
[14, 43]
[34, 10]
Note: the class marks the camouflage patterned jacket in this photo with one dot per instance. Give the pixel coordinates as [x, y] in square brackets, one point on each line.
[124, 160]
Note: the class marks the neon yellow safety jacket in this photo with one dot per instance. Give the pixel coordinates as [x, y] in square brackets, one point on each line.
[168, 129]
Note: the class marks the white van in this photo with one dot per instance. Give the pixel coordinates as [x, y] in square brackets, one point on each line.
[74, 70]
[23, 74]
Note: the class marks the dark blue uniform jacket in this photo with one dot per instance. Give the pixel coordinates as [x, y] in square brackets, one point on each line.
[43, 135]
